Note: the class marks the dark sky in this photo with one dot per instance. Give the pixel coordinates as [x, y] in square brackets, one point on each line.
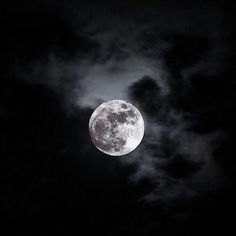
[174, 60]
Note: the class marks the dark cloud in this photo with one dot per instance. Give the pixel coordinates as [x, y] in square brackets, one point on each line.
[148, 93]
[181, 167]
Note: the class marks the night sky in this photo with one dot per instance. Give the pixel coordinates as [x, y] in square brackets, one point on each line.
[173, 60]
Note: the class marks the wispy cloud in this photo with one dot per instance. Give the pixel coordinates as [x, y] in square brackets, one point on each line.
[130, 49]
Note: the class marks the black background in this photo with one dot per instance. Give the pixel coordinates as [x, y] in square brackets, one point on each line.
[54, 181]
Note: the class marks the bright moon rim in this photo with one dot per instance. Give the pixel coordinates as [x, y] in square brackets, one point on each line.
[116, 127]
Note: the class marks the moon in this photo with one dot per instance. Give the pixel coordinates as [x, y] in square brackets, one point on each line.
[116, 127]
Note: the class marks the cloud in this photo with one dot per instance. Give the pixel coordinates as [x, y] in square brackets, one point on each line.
[175, 159]
[148, 59]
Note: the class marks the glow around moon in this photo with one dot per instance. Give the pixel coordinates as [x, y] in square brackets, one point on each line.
[116, 127]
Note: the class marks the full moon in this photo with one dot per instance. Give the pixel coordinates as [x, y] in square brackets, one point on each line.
[116, 127]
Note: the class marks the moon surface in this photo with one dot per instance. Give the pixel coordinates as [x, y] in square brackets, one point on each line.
[116, 127]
